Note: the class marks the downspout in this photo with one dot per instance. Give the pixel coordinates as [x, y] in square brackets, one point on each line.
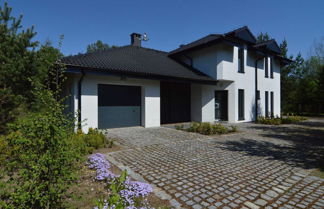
[79, 98]
[256, 87]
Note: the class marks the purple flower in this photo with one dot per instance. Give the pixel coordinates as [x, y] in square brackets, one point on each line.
[99, 162]
[132, 189]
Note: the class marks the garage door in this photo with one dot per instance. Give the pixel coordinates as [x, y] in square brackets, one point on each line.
[119, 106]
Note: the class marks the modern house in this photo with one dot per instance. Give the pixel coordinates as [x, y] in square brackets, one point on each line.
[227, 77]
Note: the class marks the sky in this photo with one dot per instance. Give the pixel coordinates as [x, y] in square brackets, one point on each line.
[169, 23]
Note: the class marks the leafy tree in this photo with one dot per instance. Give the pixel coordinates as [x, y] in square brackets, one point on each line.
[98, 46]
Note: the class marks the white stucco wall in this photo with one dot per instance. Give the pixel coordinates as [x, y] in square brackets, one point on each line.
[221, 63]
[150, 110]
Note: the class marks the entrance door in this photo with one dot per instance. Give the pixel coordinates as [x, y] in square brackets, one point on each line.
[221, 111]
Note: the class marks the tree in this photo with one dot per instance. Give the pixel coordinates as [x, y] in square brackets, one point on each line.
[17, 68]
[262, 37]
[284, 48]
[98, 46]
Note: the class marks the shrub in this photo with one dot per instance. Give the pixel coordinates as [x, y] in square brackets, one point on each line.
[269, 121]
[209, 129]
[87, 143]
[179, 127]
[277, 120]
[233, 129]
[95, 139]
[40, 161]
[292, 119]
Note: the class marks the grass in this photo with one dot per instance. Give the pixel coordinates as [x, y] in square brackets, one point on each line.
[207, 128]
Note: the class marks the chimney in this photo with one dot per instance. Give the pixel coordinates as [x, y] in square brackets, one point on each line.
[136, 39]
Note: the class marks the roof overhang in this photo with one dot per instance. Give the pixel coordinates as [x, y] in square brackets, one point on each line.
[125, 74]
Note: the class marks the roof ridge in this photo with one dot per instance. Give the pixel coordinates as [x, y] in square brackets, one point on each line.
[95, 52]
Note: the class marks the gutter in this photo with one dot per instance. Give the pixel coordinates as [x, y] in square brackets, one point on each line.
[256, 86]
[79, 98]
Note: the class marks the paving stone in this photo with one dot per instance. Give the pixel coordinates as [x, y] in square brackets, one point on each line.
[251, 205]
[272, 194]
[197, 206]
[199, 170]
[260, 202]
[278, 190]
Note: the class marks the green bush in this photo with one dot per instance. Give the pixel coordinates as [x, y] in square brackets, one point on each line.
[292, 119]
[269, 121]
[209, 129]
[87, 143]
[277, 120]
[179, 127]
[40, 161]
[95, 139]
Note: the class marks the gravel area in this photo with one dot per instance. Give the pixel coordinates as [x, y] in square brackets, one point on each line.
[259, 167]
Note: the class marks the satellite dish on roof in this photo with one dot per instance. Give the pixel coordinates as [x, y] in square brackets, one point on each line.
[145, 37]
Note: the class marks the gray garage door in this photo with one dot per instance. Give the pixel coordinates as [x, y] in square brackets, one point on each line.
[119, 106]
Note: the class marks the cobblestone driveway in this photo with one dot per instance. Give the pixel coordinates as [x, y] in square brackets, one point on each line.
[204, 172]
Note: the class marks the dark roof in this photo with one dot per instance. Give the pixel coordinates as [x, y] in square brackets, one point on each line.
[136, 61]
[200, 42]
[239, 35]
[243, 33]
[269, 45]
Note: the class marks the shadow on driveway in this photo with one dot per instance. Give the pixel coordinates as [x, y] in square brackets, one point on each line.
[306, 149]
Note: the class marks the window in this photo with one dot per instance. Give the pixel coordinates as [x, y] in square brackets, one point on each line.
[241, 60]
[266, 67]
[271, 103]
[258, 95]
[241, 104]
[271, 67]
[266, 104]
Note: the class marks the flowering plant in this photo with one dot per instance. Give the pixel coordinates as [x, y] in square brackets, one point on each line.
[124, 192]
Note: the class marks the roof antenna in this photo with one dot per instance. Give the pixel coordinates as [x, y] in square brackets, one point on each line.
[145, 37]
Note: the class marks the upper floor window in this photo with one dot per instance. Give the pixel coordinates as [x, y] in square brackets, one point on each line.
[266, 67]
[271, 67]
[241, 60]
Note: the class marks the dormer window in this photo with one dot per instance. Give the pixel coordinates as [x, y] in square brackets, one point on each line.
[266, 67]
[241, 60]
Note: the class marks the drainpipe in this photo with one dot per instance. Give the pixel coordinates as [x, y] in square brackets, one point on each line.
[256, 87]
[79, 98]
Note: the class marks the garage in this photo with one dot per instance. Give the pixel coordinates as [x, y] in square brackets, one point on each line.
[175, 102]
[118, 106]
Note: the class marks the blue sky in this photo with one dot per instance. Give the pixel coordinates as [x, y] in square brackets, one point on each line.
[170, 23]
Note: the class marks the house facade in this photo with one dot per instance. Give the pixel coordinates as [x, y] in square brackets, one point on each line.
[220, 77]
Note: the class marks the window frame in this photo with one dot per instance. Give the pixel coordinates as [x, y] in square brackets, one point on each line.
[272, 104]
[241, 113]
[271, 67]
[266, 67]
[266, 104]
[241, 60]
